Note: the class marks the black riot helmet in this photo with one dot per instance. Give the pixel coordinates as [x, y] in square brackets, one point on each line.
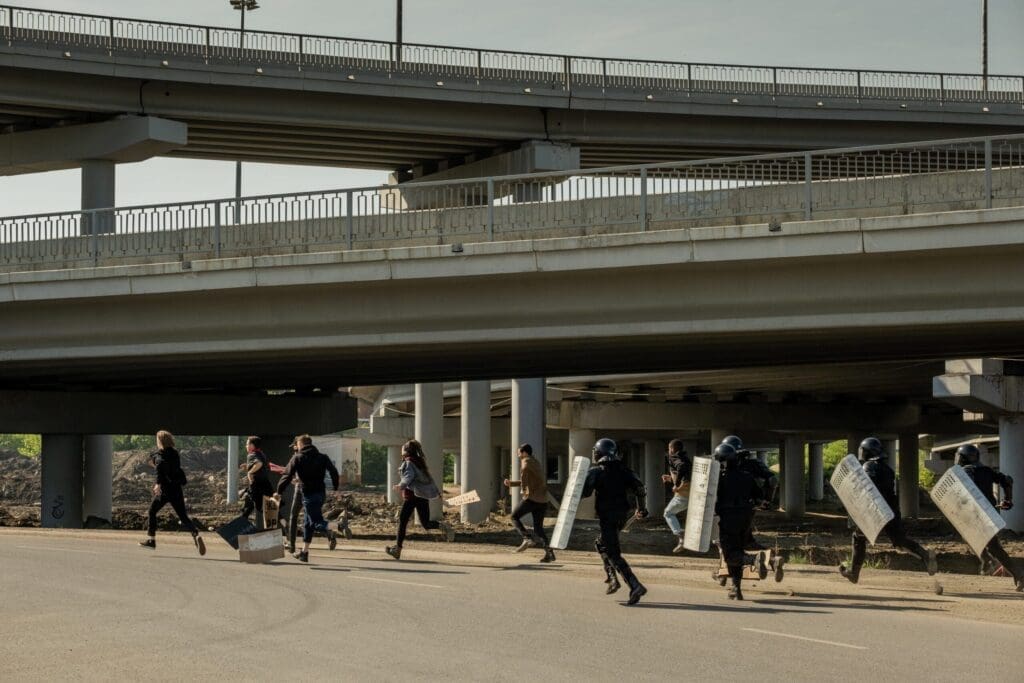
[734, 441]
[870, 449]
[968, 454]
[726, 454]
[605, 448]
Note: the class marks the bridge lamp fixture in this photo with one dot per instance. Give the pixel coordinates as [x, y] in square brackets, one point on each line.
[351, 77]
[67, 55]
[259, 70]
[985, 109]
[650, 97]
[527, 90]
[821, 104]
[247, 5]
[440, 84]
[735, 100]
[165, 63]
[903, 106]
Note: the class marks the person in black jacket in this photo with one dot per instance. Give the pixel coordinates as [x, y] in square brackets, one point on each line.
[169, 480]
[310, 466]
[738, 493]
[986, 479]
[679, 466]
[614, 484]
[873, 457]
[258, 478]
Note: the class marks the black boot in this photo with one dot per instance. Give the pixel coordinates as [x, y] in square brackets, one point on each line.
[735, 590]
[612, 580]
[636, 590]
[549, 555]
[851, 574]
[150, 543]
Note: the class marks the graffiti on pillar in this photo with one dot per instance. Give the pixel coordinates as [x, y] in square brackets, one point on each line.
[57, 511]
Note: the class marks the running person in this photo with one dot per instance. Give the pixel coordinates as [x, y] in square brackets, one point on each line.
[418, 489]
[167, 490]
[534, 503]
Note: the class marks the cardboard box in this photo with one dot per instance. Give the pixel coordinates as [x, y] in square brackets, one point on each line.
[261, 547]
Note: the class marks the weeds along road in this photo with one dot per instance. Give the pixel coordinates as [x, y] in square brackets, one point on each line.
[95, 606]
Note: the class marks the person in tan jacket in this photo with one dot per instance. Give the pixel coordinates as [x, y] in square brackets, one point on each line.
[534, 503]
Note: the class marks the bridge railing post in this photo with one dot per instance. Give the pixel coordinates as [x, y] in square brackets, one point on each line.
[643, 199]
[207, 57]
[216, 229]
[942, 88]
[110, 35]
[808, 186]
[302, 51]
[490, 209]
[988, 173]
[860, 92]
[479, 65]
[604, 74]
[567, 73]
[349, 231]
[775, 82]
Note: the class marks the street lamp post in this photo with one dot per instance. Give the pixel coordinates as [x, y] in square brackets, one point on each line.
[242, 6]
[398, 32]
[984, 45]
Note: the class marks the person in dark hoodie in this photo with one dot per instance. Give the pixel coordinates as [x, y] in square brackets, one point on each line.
[614, 485]
[418, 488]
[310, 466]
[168, 489]
[257, 473]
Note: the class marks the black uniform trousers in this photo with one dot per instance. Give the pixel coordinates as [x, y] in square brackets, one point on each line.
[733, 528]
[174, 496]
[608, 545]
[897, 536]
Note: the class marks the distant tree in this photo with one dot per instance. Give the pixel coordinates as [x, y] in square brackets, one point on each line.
[29, 445]
[375, 463]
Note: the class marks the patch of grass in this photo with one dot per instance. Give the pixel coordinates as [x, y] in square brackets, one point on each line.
[797, 557]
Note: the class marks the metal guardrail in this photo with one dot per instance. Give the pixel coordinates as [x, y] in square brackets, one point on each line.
[119, 35]
[972, 173]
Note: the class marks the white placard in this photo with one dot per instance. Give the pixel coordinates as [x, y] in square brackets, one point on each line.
[966, 507]
[861, 498]
[464, 499]
[570, 502]
[700, 509]
[263, 540]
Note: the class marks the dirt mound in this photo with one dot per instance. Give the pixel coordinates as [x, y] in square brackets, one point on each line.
[19, 478]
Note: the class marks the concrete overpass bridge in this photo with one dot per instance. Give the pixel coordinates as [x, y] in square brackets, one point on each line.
[438, 112]
[817, 275]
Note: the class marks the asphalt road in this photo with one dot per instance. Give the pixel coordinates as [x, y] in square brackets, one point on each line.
[93, 605]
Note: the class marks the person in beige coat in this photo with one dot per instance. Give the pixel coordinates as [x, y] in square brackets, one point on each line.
[534, 503]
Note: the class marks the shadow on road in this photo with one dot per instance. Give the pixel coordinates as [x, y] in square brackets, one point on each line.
[722, 608]
[835, 603]
[531, 568]
[385, 569]
[864, 598]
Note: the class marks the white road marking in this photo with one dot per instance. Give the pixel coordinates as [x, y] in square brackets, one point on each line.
[405, 583]
[812, 640]
[62, 550]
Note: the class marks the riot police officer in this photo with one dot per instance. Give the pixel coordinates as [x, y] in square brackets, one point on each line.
[873, 458]
[986, 479]
[765, 479]
[738, 493]
[614, 484]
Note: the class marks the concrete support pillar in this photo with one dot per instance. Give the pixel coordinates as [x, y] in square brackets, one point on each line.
[61, 465]
[793, 501]
[1011, 463]
[457, 470]
[478, 461]
[693, 448]
[98, 192]
[909, 467]
[581, 442]
[853, 444]
[394, 462]
[717, 434]
[654, 467]
[816, 471]
[429, 425]
[98, 477]
[528, 407]
[232, 492]
[563, 468]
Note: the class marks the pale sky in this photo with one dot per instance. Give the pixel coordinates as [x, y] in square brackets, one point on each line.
[909, 35]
